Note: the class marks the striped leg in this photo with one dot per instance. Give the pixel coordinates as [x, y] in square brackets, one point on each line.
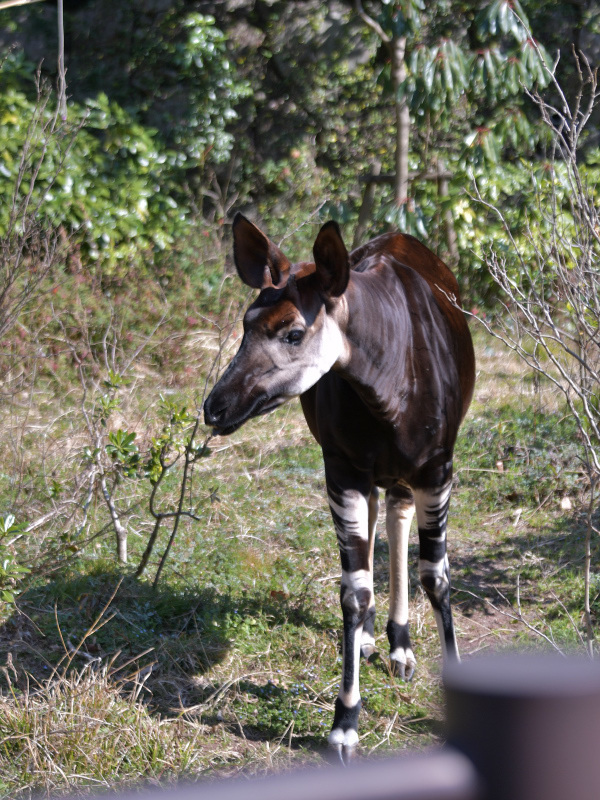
[434, 571]
[400, 509]
[367, 639]
[350, 511]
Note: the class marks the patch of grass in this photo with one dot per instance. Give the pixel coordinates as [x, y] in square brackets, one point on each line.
[84, 731]
[233, 662]
[516, 456]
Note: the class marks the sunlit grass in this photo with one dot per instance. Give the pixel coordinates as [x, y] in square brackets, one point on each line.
[233, 662]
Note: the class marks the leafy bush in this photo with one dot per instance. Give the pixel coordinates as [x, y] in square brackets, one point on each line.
[11, 571]
[116, 184]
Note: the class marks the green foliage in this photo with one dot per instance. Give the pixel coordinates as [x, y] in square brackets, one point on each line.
[500, 18]
[467, 73]
[469, 76]
[11, 571]
[439, 76]
[509, 186]
[306, 97]
[405, 218]
[199, 55]
[115, 184]
[98, 183]
[181, 80]
[172, 441]
[401, 19]
[124, 452]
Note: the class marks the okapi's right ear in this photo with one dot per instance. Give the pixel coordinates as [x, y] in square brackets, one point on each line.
[331, 260]
[259, 262]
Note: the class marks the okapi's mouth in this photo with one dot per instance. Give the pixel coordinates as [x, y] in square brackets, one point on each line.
[226, 431]
[264, 407]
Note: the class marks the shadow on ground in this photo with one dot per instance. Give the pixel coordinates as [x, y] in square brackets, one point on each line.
[516, 559]
[167, 639]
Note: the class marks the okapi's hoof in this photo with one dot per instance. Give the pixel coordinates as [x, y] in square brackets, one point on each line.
[343, 753]
[342, 745]
[368, 650]
[402, 663]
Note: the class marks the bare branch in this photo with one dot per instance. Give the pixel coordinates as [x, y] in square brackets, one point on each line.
[373, 24]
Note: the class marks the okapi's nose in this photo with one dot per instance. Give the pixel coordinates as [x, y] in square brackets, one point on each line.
[213, 412]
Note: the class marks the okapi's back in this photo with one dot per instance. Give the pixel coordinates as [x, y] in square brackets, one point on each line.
[412, 253]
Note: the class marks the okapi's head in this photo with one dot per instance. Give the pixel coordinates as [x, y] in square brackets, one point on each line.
[292, 332]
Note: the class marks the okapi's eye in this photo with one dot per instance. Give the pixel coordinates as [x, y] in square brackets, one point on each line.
[294, 337]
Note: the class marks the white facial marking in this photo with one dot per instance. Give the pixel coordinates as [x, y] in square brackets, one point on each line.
[326, 348]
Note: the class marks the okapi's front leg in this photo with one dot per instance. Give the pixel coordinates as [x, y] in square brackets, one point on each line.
[350, 512]
[400, 510]
[367, 639]
[434, 571]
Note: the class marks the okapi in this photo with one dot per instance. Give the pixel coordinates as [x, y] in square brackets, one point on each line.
[379, 352]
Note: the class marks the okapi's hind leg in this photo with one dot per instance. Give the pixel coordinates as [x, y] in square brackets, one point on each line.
[434, 571]
[400, 510]
[367, 639]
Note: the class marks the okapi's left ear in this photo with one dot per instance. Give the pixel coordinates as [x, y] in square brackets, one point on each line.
[331, 260]
[259, 262]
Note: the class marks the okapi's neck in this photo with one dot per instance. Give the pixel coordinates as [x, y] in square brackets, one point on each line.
[378, 346]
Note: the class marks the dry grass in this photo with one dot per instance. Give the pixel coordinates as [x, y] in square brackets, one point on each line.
[82, 730]
[503, 378]
[233, 663]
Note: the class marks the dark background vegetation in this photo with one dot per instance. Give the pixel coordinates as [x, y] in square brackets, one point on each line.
[279, 107]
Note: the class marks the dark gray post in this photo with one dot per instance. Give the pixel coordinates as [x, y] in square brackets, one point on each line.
[529, 724]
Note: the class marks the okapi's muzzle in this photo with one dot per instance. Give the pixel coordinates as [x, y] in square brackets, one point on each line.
[219, 414]
[226, 409]
[223, 422]
[215, 416]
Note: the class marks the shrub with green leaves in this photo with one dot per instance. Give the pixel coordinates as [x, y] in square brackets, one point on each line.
[111, 180]
[11, 571]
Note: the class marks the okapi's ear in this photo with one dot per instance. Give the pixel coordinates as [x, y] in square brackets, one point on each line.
[259, 262]
[331, 260]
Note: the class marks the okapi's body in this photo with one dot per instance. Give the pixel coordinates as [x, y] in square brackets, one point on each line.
[381, 357]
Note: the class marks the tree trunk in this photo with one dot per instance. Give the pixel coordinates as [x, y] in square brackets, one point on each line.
[364, 214]
[118, 526]
[451, 241]
[398, 47]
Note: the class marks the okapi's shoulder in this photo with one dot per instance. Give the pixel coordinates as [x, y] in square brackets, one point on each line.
[407, 253]
[412, 253]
